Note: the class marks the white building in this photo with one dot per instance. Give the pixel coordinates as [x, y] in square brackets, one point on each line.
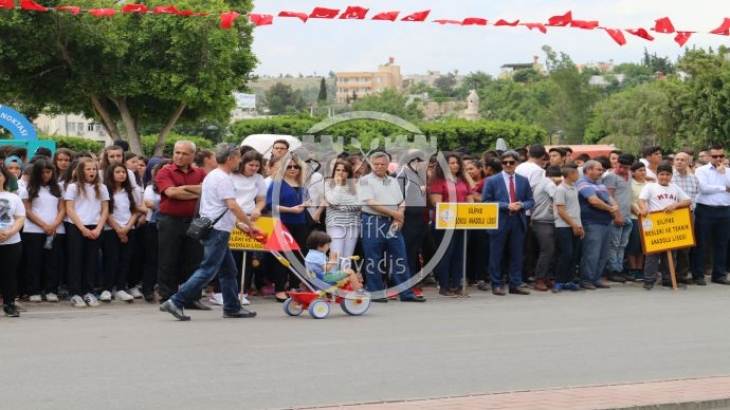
[72, 125]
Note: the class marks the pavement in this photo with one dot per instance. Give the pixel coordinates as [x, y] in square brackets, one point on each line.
[484, 347]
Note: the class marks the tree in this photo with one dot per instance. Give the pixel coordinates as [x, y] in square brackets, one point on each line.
[389, 102]
[281, 98]
[128, 70]
[322, 97]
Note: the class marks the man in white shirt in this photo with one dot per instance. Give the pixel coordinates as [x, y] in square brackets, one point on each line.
[712, 217]
[534, 168]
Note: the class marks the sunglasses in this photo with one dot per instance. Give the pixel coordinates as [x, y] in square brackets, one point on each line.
[293, 167]
[718, 156]
[509, 162]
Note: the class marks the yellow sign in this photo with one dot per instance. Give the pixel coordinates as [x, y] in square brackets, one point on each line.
[241, 241]
[661, 232]
[451, 215]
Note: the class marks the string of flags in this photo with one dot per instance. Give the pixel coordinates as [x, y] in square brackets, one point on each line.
[662, 25]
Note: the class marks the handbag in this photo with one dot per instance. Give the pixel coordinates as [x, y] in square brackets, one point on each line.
[200, 227]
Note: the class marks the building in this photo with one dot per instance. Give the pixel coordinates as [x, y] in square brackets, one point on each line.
[72, 125]
[363, 83]
[508, 70]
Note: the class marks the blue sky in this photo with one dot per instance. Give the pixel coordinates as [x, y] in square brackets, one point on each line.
[289, 46]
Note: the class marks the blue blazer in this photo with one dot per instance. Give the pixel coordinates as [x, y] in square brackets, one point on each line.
[495, 190]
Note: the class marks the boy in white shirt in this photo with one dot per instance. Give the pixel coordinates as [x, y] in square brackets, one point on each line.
[660, 196]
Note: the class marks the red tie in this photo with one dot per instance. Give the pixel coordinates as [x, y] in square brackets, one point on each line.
[512, 189]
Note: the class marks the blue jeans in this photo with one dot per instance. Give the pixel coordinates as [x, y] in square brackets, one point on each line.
[217, 258]
[595, 253]
[617, 241]
[450, 267]
[374, 243]
[711, 228]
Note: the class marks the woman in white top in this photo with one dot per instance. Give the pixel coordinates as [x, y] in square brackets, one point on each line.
[12, 217]
[87, 209]
[118, 239]
[342, 218]
[44, 209]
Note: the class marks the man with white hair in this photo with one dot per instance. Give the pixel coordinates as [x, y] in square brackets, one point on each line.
[179, 184]
[689, 183]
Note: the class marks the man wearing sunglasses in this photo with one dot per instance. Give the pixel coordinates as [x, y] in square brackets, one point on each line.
[512, 193]
[712, 217]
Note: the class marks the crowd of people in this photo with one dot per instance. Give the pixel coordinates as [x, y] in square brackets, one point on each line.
[90, 228]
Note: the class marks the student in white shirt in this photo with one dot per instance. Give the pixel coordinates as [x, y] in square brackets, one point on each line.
[44, 209]
[12, 217]
[87, 209]
[118, 239]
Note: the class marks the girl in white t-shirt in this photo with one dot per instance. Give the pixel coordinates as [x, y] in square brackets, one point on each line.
[12, 217]
[44, 209]
[118, 238]
[87, 209]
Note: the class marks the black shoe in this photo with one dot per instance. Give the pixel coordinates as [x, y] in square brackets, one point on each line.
[149, 297]
[413, 299]
[197, 305]
[721, 281]
[483, 285]
[172, 309]
[627, 277]
[616, 277]
[648, 285]
[700, 282]
[379, 300]
[11, 311]
[241, 313]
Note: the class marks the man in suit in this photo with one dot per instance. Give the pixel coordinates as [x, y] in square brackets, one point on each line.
[513, 195]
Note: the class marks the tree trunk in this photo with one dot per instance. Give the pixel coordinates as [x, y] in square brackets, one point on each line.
[106, 119]
[160, 146]
[135, 142]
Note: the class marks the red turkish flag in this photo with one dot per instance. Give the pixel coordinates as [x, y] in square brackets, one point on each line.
[31, 6]
[281, 240]
[640, 32]
[724, 29]
[354, 13]
[388, 15]
[442, 22]
[134, 8]
[617, 35]
[71, 9]
[584, 24]
[188, 13]
[228, 18]
[664, 25]
[324, 13]
[102, 12]
[7, 4]
[682, 37]
[474, 21]
[301, 16]
[166, 10]
[418, 16]
[261, 19]
[538, 26]
[561, 21]
[503, 22]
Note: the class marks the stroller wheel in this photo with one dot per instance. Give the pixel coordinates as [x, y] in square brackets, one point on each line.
[292, 308]
[355, 304]
[319, 309]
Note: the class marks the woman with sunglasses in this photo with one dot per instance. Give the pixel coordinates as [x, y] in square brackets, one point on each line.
[343, 210]
[286, 198]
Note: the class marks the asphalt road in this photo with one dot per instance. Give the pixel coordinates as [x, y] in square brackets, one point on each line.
[123, 356]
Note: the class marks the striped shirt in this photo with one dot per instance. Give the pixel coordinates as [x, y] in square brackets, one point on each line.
[688, 183]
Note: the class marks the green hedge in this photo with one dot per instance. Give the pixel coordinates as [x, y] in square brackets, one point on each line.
[74, 143]
[149, 142]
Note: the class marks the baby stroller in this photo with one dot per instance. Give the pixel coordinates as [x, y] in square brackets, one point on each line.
[318, 294]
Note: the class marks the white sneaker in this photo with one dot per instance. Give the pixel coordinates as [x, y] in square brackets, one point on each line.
[77, 302]
[35, 299]
[51, 297]
[134, 291]
[244, 300]
[105, 296]
[216, 299]
[123, 296]
[90, 300]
